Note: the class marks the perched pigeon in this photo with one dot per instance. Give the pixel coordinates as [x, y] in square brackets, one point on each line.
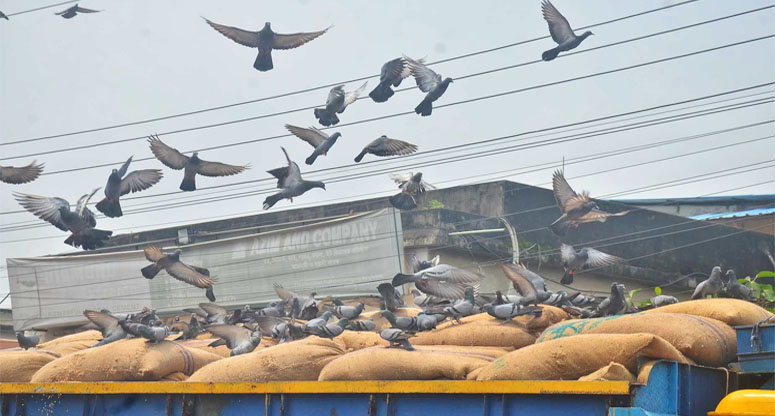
[710, 287]
[397, 337]
[131, 328]
[27, 342]
[24, 174]
[385, 146]
[188, 330]
[411, 185]
[663, 300]
[290, 183]
[319, 140]
[576, 208]
[281, 329]
[119, 185]
[428, 81]
[734, 289]
[329, 331]
[265, 40]
[587, 257]
[238, 339]
[309, 307]
[347, 312]
[501, 299]
[277, 310]
[427, 321]
[509, 311]
[390, 297]
[80, 223]
[192, 166]
[3, 16]
[337, 102]
[195, 276]
[154, 334]
[108, 324]
[418, 264]
[318, 322]
[392, 73]
[365, 325]
[422, 300]
[615, 303]
[462, 308]
[71, 12]
[561, 32]
[443, 281]
[408, 323]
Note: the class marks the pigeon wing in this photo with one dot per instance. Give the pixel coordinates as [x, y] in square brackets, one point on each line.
[125, 167]
[597, 215]
[401, 178]
[69, 9]
[351, 96]
[598, 258]
[241, 36]
[44, 208]
[336, 94]
[12, 175]
[444, 290]
[426, 79]
[170, 156]
[213, 309]
[311, 135]
[80, 9]
[394, 147]
[153, 253]
[85, 213]
[284, 294]
[567, 253]
[186, 273]
[218, 169]
[447, 273]
[565, 196]
[294, 40]
[393, 70]
[102, 320]
[558, 25]
[521, 279]
[140, 180]
[234, 335]
[267, 323]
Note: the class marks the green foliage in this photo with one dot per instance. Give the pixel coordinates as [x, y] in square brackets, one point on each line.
[658, 290]
[435, 204]
[763, 294]
[630, 296]
[765, 273]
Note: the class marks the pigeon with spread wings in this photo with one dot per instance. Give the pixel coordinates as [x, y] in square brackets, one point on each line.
[265, 40]
[337, 102]
[73, 11]
[290, 183]
[443, 281]
[195, 276]
[321, 141]
[80, 223]
[587, 257]
[560, 30]
[392, 73]
[412, 185]
[192, 166]
[119, 184]
[24, 174]
[385, 146]
[576, 208]
[428, 82]
[108, 324]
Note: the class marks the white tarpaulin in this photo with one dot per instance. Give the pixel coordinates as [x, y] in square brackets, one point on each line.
[340, 257]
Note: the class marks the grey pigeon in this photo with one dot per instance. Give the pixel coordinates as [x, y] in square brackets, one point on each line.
[392, 73]
[501, 299]
[422, 300]
[426, 321]
[397, 337]
[3, 16]
[329, 331]
[734, 289]
[131, 328]
[418, 264]
[561, 32]
[238, 339]
[188, 330]
[710, 287]
[290, 183]
[462, 308]
[365, 325]
[193, 275]
[277, 309]
[318, 322]
[527, 283]
[108, 324]
[284, 294]
[385, 146]
[27, 341]
[615, 303]
[443, 281]
[337, 102]
[216, 314]
[24, 174]
[279, 328]
[119, 184]
[309, 309]
[576, 208]
[80, 223]
[265, 40]
[319, 140]
[347, 312]
[154, 334]
[191, 166]
[408, 323]
[429, 82]
[71, 12]
[411, 185]
[663, 300]
[508, 311]
[390, 297]
[587, 257]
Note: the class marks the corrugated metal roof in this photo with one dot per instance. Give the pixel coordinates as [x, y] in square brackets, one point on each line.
[746, 213]
[714, 200]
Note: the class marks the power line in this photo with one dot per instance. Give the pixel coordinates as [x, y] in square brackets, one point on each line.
[41, 8]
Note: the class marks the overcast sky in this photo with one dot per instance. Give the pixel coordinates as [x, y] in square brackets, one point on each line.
[142, 59]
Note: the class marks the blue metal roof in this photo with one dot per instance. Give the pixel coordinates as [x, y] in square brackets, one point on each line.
[714, 200]
[746, 213]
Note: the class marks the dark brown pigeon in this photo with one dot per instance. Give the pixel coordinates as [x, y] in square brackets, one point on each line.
[560, 30]
[24, 174]
[576, 208]
[195, 276]
[385, 146]
[119, 184]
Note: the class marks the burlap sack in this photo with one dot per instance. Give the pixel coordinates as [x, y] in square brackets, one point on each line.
[90, 335]
[358, 340]
[569, 358]
[611, 372]
[704, 340]
[18, 366]
[477, 330]
[291, 361]
[125, 360]
[430, 362]
[733, 312]
[65, 348]
[383, 323]
[549, 315]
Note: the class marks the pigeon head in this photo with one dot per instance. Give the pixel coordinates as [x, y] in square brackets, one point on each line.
[448, 80]
[267, 25]
[335, 136]
[587, 33]
[343, 322]
[417, 177]
[195, 157]
[317, 184]
[115, 171]
[731, 276]
[590, 205]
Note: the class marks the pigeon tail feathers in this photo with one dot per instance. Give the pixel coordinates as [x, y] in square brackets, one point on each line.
[402, 279]
[550, 54]
[209, 293]
[424, 108]
[271, 200]
[560, 227]
[150, 271]
[188, 185]
[311, 159]
[263, 61]
[360, 156]
[403, 200]
[567, 278]
[111, 208]
[381, 93]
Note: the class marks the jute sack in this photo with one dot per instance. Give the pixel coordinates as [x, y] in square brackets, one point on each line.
[90, 335]
[203, 344]
[18, 366]
[549, 315]
[733, 312]
[479, 331]
[291, 361]
[704, 340]
[65, 348]
[358, 340]
[383, 323]
[569, 358]
[611, 372]
[429, 362]
[125, 360]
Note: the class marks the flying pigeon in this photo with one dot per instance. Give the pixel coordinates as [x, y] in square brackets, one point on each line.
[663, 300]
[712, 286]
[80, 223]
[329, 331]
[281, 329]
[587, 257]
[119, 185]
[309, 307]
[734, 289]
[397, 337]
[71, 12]
[408, 323]
[265, 40]
[576, 208]
[615, 303]
[27, 342]
[526, 283]
[392, 73]
[444, 281]
[3, 16]
[391, 298]
[192, 166]
[188, 330]
[195, 276]
[319, 140]
[108, 324]
[561, 32]
[15, 176]
[411, 186]
[238, 339]
[290, 183]
[462, 307]
[508, 311]
[385, 146]
[428, 81]
[337, 102]
[418, 264]
[365, 325]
